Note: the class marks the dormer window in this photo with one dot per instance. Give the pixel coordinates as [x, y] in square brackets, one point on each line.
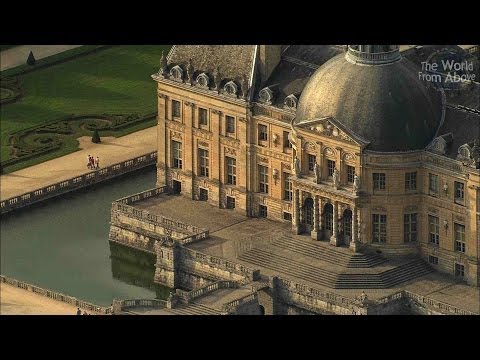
[203, 80]
[464, 152]
[290, 102]
[266, 96]
[176, 73]
[230, 88]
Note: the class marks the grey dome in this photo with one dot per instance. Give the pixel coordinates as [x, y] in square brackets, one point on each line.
[385, 104]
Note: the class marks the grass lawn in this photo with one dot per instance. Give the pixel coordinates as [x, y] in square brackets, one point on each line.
[114, 81]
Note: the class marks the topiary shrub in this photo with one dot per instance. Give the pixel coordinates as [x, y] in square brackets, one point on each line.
[96, 137]
[31, 59]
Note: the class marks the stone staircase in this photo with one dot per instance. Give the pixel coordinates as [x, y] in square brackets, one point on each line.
[367, 279]
[193, 309]
[328, 254]
[289, 266]
[385, 279]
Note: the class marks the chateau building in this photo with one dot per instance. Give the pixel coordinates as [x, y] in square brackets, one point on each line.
[345, 142]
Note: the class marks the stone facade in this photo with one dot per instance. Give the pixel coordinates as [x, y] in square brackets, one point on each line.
[355, 197]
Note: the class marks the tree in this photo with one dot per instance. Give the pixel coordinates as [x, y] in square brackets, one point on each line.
[96, 137]
[31, 59]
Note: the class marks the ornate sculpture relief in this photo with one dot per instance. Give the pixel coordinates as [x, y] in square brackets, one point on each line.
[163, 65]
[190, 71]
[290, 102]
[356, 184]
[316, 171]
[336, 178]
[297, 170]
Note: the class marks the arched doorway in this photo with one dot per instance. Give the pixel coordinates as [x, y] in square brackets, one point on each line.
[328, 219]
[347, 226]
[308, 214]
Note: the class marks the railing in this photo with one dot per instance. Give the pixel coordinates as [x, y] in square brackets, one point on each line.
[440, 306]
[368, 58]
[146, 303]
[197, 293]
[220, 264]
[232, 306]
[192, 233]
[142, 195]
[56, 296]
[76, 183]
[318, 294]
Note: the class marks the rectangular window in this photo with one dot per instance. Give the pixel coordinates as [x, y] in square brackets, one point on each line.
[175, 108]
[262, 211]
[287, 216]
[459, 192]
[312, 159]
[433, 183]
[203, 162]
[459, 237]
[231, 170]
[263, 179]
[350, 174]
[230, 202]
[433, 230]
[230, 124]
[410, 227]
[331, 167]
[433, 260]
[286, 142]
[378, 181]
[176, 154]
[262, 132]
[411, 181]
[459, 270]
[202, 116]
[203, 194]
[287, 188]
[379, 228]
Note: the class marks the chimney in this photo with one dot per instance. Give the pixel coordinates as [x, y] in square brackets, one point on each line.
[268, 59]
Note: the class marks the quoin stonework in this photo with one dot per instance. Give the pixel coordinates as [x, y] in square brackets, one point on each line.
[345, 147]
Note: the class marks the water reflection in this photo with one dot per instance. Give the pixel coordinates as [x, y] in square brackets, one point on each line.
[62, 244]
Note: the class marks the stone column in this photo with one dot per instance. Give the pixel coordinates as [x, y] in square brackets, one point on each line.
[334, 238]
[316, 232]
[163, 143]
[296, 212]
[354, 242]
[320, 217]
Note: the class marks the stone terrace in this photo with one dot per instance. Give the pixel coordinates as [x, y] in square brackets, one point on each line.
[270, 247]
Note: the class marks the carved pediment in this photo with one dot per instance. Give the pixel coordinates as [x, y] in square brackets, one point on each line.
[329, 127]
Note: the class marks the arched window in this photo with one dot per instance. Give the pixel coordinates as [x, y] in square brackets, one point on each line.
[176, 73]
[290, 102]
[203, 80]
[230, 88]
[266, 96]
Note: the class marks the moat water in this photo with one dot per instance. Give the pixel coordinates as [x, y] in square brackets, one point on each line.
[62, 245]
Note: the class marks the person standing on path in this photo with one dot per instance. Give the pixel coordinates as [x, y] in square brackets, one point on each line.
[97, 163]
[79, 312]
[89, 161]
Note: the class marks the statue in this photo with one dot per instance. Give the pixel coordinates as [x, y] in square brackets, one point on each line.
[296, 166]
[190, 71]
[336, 178]
[244, 86]
[363, 297]
[163, 65]
[217, 79]
[316, 171]
[356, 184]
